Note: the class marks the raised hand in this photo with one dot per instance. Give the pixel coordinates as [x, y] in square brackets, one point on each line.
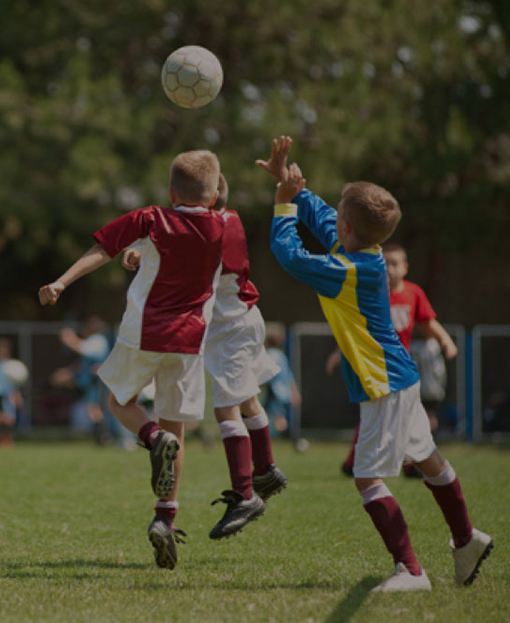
[277, 163]
[287, 189]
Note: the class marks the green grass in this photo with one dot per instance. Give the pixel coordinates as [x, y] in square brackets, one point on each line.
[73, 546]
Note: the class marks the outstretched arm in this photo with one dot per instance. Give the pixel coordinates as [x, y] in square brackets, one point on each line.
[277, 163]
[92, 259]
[432, 328]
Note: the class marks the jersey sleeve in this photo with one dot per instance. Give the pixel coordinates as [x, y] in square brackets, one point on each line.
[120, 233]
[324, 273]
[319, 217]
[424, 311]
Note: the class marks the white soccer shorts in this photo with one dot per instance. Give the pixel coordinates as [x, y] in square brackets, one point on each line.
[179, 380]
[393, 428]
[236, 359]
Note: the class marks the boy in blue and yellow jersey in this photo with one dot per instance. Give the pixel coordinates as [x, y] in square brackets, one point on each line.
[352, 286]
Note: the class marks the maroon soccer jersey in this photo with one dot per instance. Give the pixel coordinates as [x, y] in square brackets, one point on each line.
[407, 307]
[235, 294]
[169, 301]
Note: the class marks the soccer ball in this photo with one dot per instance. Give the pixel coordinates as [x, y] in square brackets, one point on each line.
[15, 371]
[191, 76]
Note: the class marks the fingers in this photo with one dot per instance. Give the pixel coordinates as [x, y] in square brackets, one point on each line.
[48, 295]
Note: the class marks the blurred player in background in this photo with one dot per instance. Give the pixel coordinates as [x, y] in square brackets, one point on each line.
[11, 399]
[408, 306]
[162, 331]
[282, 392]
[238, 364]
[351, 283]
[91, 344]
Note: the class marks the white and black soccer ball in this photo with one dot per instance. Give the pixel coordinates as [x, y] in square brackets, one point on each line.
[191, 76]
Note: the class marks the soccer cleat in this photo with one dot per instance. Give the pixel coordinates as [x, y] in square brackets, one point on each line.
[163, 540]
[273, 481]
[411, 471]
[346, 469]
[468, 558]
[163, 454]
[240, 511]
[403, 581]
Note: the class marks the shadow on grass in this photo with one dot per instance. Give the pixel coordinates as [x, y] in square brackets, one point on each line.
[348, 607]
[32, 569]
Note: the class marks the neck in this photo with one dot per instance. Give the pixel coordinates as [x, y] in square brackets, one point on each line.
[397, 287]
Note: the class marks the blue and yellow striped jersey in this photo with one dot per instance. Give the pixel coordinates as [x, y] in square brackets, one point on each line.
[354, 295]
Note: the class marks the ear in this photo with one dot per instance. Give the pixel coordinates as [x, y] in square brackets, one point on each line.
[347, 227]
[213, 200]
[173, 196]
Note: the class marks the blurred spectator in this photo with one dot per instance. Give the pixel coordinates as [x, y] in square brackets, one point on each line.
[432, 368]
[13, 374]
[92, 346]
[281, 392]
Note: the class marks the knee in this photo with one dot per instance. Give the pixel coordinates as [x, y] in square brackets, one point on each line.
[251, 407]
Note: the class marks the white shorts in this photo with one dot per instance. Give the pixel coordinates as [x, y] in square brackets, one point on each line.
[393, 428]
[236, 359]
[179, 379]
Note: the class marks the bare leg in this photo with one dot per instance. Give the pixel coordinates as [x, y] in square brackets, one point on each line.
[432, 466]
[131, 415]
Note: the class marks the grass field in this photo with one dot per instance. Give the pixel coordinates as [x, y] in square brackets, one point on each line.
[73, 546]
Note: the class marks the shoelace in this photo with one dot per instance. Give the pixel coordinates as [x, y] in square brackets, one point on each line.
[231, 498]
[178, 535]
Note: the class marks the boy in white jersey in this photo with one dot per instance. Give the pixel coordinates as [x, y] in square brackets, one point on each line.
[238, 363]
[352, 285]
[169, 306]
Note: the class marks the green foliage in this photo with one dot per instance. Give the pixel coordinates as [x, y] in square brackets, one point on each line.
[74, 546]
[414, 96]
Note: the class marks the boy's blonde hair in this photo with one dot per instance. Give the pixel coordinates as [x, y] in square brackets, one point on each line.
[371, 210]
[222, 199]
[194, 176]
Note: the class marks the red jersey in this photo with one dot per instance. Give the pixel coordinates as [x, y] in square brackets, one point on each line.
[407, 307]
[169, 301]
[235, 293]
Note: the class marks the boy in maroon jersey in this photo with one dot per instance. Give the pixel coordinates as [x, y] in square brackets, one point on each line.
[408, 306]
[169, 304]
[238, 363]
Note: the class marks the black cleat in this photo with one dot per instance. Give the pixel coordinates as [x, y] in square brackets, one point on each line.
[273, 481]
[240, 511]
[163, 454]
[163, 539]
[348, 470]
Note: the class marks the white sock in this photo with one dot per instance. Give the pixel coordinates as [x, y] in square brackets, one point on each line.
[375, 492]
[446, 477]
[232, 428]
[167, 504]
[256, 422]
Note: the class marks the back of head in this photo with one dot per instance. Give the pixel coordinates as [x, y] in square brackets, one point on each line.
[275, 335]
[372, 211]
[194, 176]
[222, 199]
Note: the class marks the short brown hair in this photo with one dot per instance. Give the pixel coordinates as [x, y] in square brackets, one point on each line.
[371, 210]
[222, 199]
[194, 176]
[394, 247]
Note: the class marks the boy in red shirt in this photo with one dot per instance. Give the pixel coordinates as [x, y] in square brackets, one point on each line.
[169, 305]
